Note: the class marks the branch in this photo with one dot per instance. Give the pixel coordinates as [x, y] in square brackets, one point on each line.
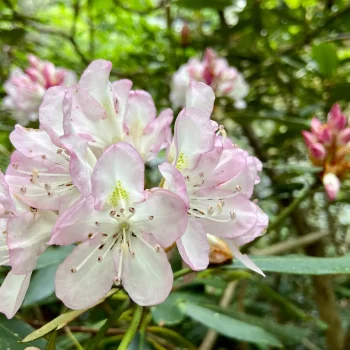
[283, 247]
[139, 12]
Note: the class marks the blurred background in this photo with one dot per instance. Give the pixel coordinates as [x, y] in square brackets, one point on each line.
[295, 56]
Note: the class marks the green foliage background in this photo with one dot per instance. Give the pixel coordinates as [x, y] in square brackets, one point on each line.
[295, 56]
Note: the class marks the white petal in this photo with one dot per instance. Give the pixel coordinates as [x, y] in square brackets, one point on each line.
[118, 177]
[193, 245]
[168, 214]
[92, 278]
[12, 293]
[27, 236]
[147, 275]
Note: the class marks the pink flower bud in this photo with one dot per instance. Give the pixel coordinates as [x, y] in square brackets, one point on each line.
[344, 136]
[325, 135]
[332, 185]
[317, 151]
[336, 119]
[309, 138]
[315, 126]
[34, 61]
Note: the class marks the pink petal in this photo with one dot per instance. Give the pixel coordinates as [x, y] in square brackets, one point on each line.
[194, 136]
[317, 151]
[147, 275]
[193, 245]
[344, 136]
[243, 258]
[244, 217]
[6, 202]
[80, 159]
[175, 181]
[92, 277]
[118, 176]
[336, 119]
[163, 214]
[81, 222]
[12, 293]
[256, 231]
[315, 126]
[34, 143]
[309, 138]
[200, 96]
[95, 81]
[51, 113]
[141, 109]
[4, 251]
[27, 236]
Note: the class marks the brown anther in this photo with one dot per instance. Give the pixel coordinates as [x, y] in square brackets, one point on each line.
[151, 217]
[122, 210]
[238, 188]
[112, 212]
[97, 223]
[73, 269]
[90, 235]
[23, 190]
[100, 258]
[43, 156]
[132, 210]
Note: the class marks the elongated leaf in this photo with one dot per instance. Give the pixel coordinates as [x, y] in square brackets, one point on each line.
[326, 58]
[42, 286]
[53, 256]
[228, 326]
[299, 264]
[51, 344]
[287, 333]
[12, 331]
[60, 321]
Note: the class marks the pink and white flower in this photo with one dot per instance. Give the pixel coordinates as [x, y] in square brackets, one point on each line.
[25, 234]
[226, 81]
[328, 146]
[123, 230]
[26, 89]
[216, 180]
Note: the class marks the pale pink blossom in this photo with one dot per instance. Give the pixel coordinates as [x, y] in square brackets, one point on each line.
[123, 230]
[328, 146]
[226, 81]
[25, 234]
[216, 180]
[332, 185]
[26, 89]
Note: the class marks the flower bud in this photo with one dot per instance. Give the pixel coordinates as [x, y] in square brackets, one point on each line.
[332, 185]
[344, 136]
[336, 119]
[309, 138]
[185, 35]
[315, 126]
[219, 250]
[325, 135]
[317, 151]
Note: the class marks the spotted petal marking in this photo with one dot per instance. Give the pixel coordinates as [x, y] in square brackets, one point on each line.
[119, 193]
[182, 162]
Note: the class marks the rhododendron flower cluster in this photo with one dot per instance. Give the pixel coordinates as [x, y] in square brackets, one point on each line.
[26, 89]
[226, 81]
[329, 147]
[79, 180]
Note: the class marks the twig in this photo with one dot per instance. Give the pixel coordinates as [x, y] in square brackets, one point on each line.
[283, 247]
[139, 12]
[211, 335]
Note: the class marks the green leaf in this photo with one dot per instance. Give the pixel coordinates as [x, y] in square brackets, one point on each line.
[53, 256]
[325, 55]
[12, 331]
[42, 286]
[228, 326]
[60, 321]
[299, 264]
[287, 333]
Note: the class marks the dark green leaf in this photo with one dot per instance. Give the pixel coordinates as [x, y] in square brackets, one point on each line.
[228, 326]
[199, 4]
[53, 256]
[42, 286]
[12, 331]
[299, 264]
[325, 55]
